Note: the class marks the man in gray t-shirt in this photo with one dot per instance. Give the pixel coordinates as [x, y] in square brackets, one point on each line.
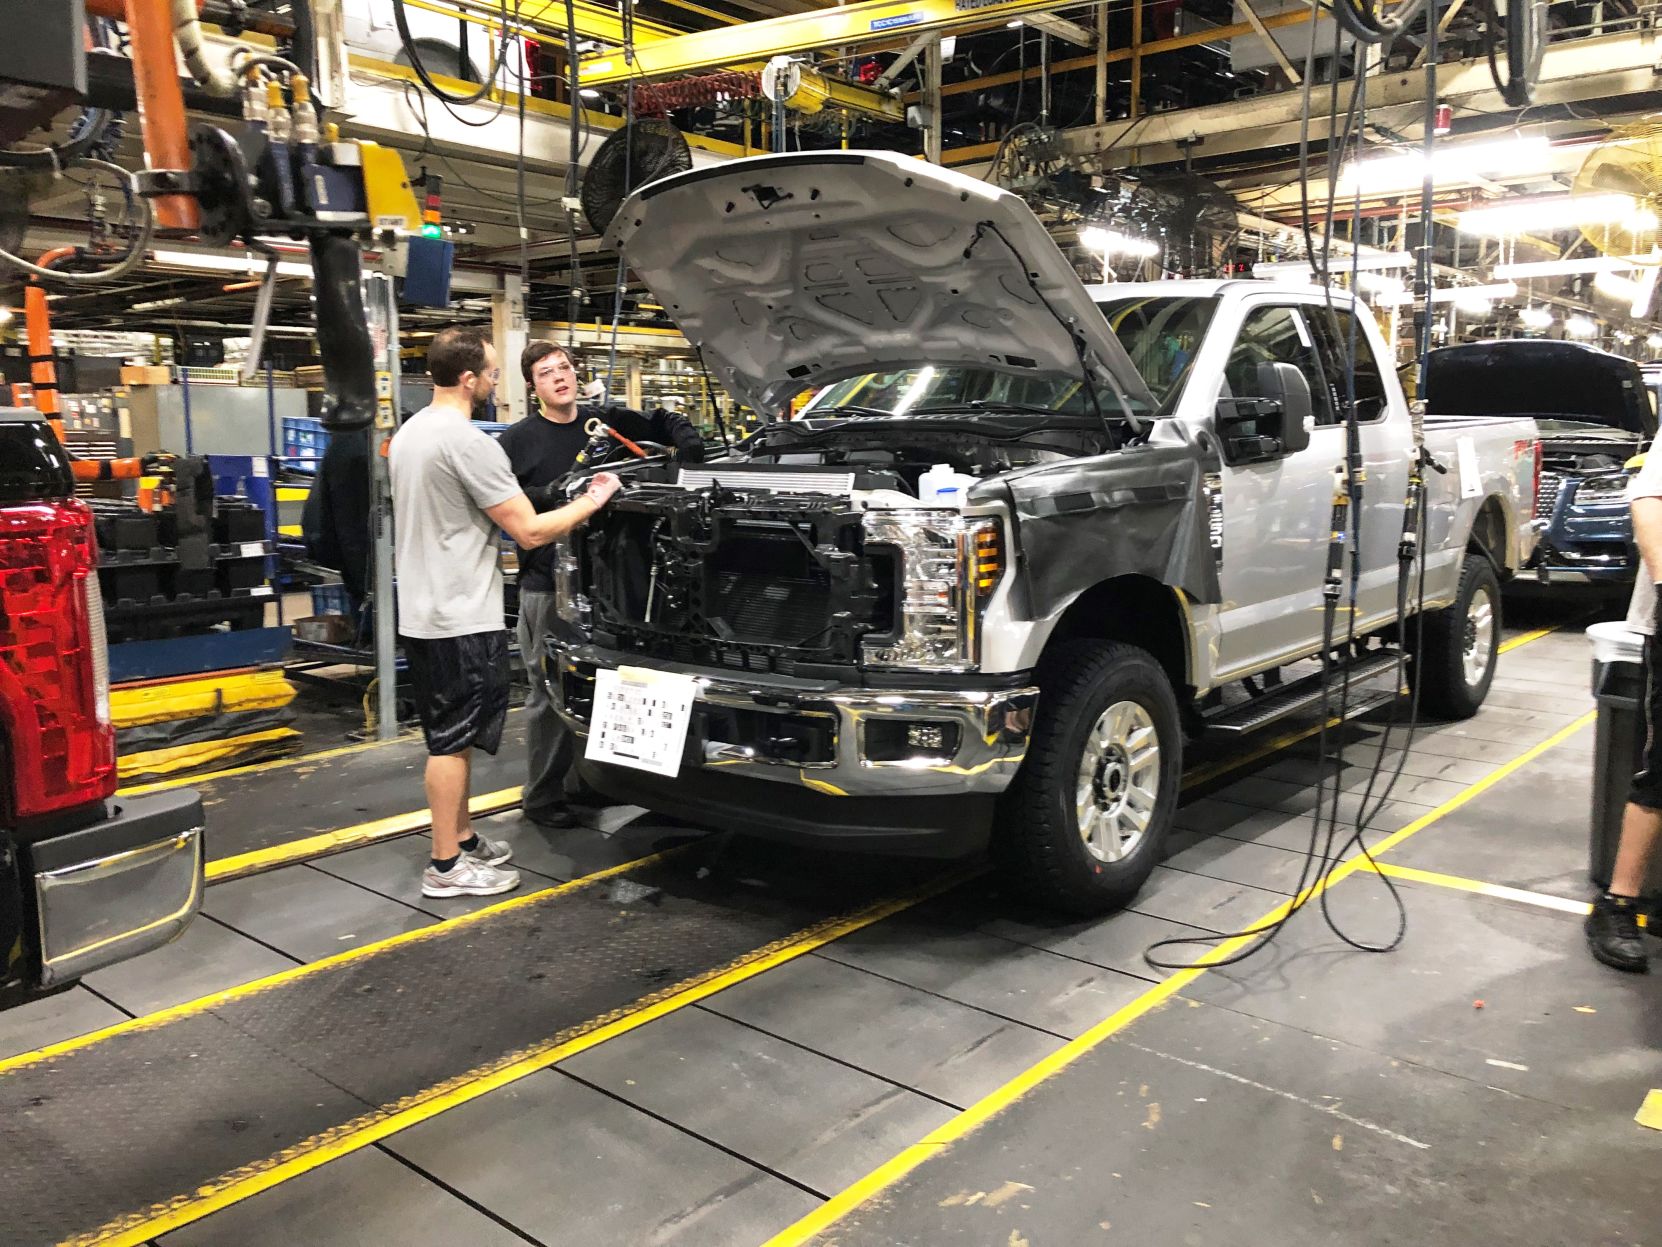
[452, 491]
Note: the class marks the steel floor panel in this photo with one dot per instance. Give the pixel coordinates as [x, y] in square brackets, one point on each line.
[297, 1062]
[302, 797]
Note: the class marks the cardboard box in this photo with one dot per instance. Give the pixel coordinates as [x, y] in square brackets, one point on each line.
[146, 374]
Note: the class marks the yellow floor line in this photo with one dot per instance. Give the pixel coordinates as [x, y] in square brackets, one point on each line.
[202, 1004]
[1518, 642]
[1498, 890]
[990, 1105]
[343, 838]
[140, 1228]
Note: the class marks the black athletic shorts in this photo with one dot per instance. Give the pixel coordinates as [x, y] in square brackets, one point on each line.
[461, 690]
[1647, 784]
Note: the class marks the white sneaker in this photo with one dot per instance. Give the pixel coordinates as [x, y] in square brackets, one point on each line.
[468, 877]
[490, 852]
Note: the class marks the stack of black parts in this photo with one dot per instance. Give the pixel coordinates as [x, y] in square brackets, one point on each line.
[194, 565]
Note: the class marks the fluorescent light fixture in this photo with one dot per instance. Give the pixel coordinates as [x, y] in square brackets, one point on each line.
[1015, 24]
[1558, 212]
[1405, 169]
[1473, 303]
[1366, 260]
[1466, 297]
[251, 263]
[1623, 289]
[1535, 317]
[1112, 242]
[1580, 326]
[589, 93]
[1379, 283]
[1565, 268]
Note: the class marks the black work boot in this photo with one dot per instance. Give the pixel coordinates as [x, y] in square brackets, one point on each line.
[1613, 934]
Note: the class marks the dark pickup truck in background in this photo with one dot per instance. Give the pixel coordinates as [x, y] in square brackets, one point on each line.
[85, 879]
[1596, 412]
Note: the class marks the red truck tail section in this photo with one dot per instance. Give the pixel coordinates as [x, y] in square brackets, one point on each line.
[54, 667]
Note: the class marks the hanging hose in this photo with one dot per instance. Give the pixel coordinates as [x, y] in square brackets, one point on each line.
[402, 22]
[1525, 46]
[135, 249]
[187, 31]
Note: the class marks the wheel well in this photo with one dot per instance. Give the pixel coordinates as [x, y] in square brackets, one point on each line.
[1138, 611]
[1489, 532]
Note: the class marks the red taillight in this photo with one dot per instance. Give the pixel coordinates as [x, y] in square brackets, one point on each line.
[62, 748]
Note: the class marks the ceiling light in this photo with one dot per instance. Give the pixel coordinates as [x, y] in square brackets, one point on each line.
[1558, 212]
[1622, 289]
[1017, 24]
[1536, 317]
[1473, 303]
[1379, 283]
[1565, 268]
[1464, 296]
[1112, 242]
[1405, 169]
[589, 93]
[1580, 326]
[206, 262]
[1366, 259]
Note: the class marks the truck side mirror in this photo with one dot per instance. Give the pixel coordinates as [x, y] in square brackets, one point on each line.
[1285, 384]
[1271, 423]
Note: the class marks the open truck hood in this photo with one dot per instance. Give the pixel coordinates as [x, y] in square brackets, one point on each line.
[795, 270]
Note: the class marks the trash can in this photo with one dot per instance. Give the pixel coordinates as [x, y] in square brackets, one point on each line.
[1619, 687]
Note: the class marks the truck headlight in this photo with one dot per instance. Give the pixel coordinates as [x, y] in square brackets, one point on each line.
[949, 566]
[569, 602]
[1601, 491]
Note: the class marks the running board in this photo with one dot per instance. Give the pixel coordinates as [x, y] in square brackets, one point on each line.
[1307, 694]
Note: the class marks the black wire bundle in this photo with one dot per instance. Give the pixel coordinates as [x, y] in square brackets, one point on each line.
[1324, 851]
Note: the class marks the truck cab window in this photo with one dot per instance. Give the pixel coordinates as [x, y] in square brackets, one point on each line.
[1336, 332]
[1277, 335]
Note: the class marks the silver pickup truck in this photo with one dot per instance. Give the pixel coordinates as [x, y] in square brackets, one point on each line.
[1024, 541]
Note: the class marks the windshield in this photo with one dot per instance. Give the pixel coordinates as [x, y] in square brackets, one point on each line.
[1161, 333]
[908, 390]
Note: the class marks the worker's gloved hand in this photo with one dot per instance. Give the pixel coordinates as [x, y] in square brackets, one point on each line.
[157, 461]
[602, 487]
[682, 434]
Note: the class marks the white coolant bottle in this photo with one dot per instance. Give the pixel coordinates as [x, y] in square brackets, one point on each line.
[941, 486]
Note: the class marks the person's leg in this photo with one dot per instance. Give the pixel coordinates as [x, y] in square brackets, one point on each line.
[1613, 932]
[461, 689]
[447, 783]
[548, 751]
[1641, 833]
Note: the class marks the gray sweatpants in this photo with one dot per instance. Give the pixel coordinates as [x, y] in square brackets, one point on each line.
[549, 781]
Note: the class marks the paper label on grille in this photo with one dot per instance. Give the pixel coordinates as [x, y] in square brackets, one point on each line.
[641, 719]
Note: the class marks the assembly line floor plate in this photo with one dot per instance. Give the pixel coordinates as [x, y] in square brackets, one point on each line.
[712, 1041]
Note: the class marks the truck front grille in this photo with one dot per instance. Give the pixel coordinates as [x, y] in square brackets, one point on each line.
[1546, 494]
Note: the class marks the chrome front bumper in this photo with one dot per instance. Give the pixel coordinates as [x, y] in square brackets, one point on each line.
[118, 888]
[991, 725]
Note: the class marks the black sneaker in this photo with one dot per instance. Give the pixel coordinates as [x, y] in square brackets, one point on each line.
[1613, 934]
[558, 817]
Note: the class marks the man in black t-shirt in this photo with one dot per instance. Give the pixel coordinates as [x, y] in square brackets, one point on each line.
[542, 449]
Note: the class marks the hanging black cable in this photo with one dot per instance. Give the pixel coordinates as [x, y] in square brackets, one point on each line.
[402, 22]
[574, 100]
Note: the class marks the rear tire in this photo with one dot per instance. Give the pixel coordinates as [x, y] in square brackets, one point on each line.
[1461, 644]
[1086, 820]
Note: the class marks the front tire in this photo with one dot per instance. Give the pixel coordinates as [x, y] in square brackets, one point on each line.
[1461, 644]
[1086, 820]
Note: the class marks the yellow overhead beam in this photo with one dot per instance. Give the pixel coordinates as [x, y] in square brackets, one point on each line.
[548, 17]
[872, 21]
